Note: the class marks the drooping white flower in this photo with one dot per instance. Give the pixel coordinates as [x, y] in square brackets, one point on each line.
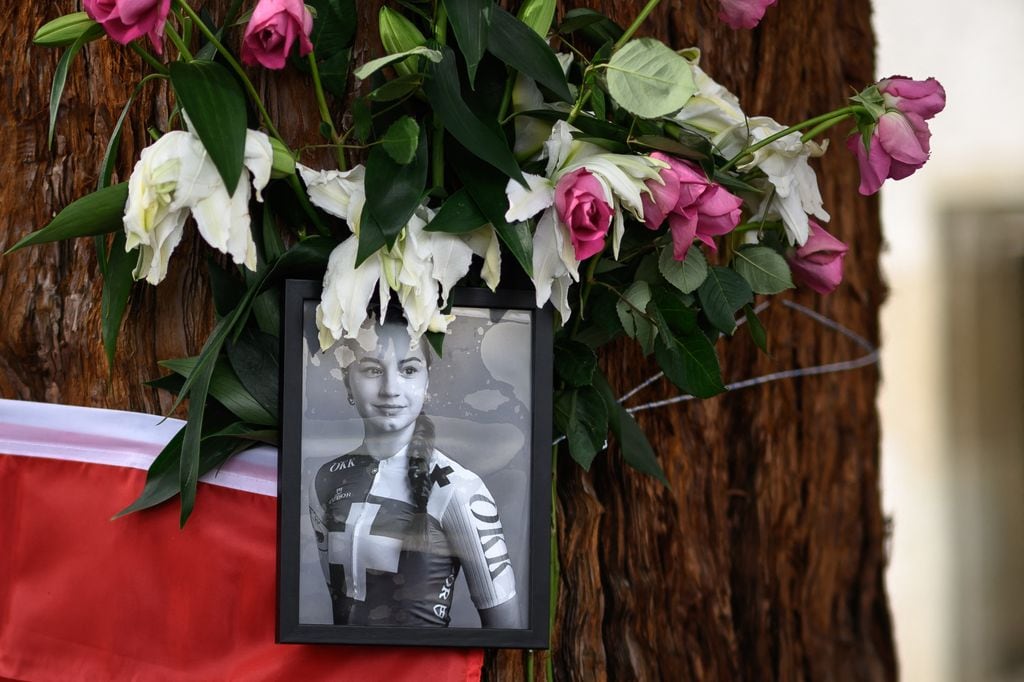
[713, 108]
[420, 269]
[174, 176]
[794, 189]
[340, 193]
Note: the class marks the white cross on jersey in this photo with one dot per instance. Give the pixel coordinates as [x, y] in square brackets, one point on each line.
[356, 550]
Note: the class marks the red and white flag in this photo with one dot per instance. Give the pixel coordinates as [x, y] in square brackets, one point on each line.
[86, 598]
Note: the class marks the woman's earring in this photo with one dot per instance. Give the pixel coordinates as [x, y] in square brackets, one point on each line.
[351, 400]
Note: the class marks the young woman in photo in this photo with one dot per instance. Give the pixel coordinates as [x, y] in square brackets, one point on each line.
[395, 519]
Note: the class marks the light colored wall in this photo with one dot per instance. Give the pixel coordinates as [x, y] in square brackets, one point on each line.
[976, 49]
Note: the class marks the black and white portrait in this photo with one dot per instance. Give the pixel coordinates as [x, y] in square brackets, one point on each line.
[415, 474]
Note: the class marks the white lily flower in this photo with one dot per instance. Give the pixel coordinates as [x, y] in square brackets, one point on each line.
[340, 193]
[555, 267]
[785, 162]
[175, 175]
[420, 269]
[523, 202]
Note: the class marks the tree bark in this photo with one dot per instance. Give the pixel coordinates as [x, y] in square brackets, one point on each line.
[762, 559]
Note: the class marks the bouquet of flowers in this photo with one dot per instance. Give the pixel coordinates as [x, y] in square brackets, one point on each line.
[607, 173]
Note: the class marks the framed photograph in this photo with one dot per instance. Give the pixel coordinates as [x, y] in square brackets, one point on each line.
[415, 487]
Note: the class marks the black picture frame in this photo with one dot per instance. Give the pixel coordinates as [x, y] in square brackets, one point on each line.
[299, 389]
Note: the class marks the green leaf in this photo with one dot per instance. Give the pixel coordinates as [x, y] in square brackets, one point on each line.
[514, 43]
[401, 140]
[117, 285]
[690, 363]
[110, 155]
[394, 193]
[636, 449]
[575, 362]
[631, 309]
[685, 275]
[377, 64]
[721, 295]
[486, 187]
[488, 143]
[334, 73]
[471, 21]
[675, 147]
[581, 415]
[671, 311]
[459, 214]
[648, 79]
[396, 88]
[756, 329]
[97, 213]
[162, 478]
[227, 289]
[596, 27]
[764, 269]
[188, 467]
[538, 15]
[362, 119]
[216, 107]
[60, 76]
[588, 125]
[334, 26]
[227, 389]
[436, 340]
[254, 358]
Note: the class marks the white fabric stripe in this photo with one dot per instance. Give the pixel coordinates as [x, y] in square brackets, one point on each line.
[118, 438]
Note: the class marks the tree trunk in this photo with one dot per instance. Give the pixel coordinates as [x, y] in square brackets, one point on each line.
[762, 560]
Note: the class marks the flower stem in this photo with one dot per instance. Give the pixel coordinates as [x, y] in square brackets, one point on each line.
[820, 128]
[556, 567]
[437, 143]
[325, 113]
[640, 18]
[833, 117]
[234, 65]
[178, 42]
[148, 58]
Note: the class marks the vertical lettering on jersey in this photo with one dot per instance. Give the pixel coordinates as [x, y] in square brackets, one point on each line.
[492, 539]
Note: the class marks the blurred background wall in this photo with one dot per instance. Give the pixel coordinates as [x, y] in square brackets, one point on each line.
[952, 399]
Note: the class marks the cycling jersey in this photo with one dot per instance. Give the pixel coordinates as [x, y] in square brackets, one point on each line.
[377, 572]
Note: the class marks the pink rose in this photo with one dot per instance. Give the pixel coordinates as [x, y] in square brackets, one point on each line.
[273, 29]
[743, 13]
[899, 142]
[924, 98]
[695, 207]
[126, 20]
[583, 207]
[818, 264]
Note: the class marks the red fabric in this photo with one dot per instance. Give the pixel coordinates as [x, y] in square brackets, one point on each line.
[86, 598]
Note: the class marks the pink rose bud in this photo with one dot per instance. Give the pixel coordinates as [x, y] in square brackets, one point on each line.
[818, 264]
[743, 13]
[695, 207]
[126, 20]
[273, 29]
[924, 98]
[899, 142]
[583, 208]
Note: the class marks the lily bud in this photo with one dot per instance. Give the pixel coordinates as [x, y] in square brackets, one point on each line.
[398, 34]
[284, 160]
[65, 30]
[538, 15]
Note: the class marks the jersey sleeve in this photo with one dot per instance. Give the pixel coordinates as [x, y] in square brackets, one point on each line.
[473, 528]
